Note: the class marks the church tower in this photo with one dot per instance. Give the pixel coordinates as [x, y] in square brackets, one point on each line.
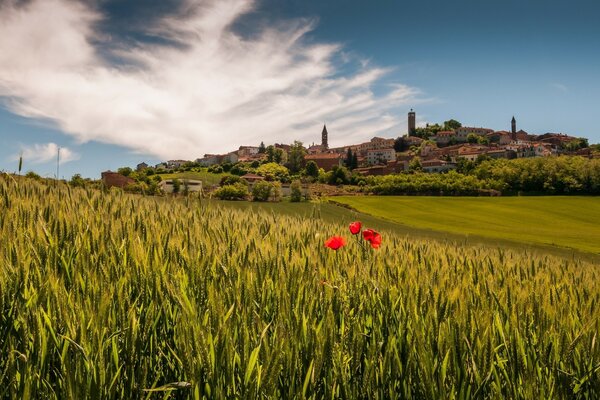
[412, 126]
[324, 143]
[513, 128]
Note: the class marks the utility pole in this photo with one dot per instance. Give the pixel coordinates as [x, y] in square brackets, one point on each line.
[57, 165]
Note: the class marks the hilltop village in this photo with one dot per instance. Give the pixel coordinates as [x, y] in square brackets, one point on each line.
[438, 148]
[432, 149]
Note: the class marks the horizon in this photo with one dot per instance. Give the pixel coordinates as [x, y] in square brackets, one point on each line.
[118, 82]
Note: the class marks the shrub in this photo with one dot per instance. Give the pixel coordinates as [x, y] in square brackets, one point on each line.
[230, 180]
[237, 191]
[296, 191]
[262, 191]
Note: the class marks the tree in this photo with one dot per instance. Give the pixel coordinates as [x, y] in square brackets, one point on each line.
[400, 145]
[451, 125]
[176, 186]
[354, 161]
[312, 169]
[273, 171]
[125, 171]
[338, 176]
[296, 157]
[274, 154]
[296, 191]
[262, 148]
[483, 140]
[415, 165]
[472, 138]
[77, 181]
[261, 191]
[237, 191]
[229, 180]
[348, 160]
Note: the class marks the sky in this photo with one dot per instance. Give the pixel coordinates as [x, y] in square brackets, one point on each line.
[116, 82]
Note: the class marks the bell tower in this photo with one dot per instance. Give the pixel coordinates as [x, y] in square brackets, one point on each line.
[412, 126]
[324, 143]
[513, 128]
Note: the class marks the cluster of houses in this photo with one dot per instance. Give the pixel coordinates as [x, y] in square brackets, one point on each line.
[378, 156]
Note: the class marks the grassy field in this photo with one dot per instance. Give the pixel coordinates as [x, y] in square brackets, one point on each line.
[207, 178]
[110, 296]
[569, 222]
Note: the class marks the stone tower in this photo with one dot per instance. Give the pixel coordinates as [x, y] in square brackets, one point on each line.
[513, 128]
[324, 143]
[412, 126]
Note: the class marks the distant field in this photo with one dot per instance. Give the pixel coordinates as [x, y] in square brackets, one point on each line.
[207, 178]
[572, 222]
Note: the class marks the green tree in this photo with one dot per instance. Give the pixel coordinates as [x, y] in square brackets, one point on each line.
[77, 181]
[415, 165]
[262, 148]
[237, 191]
[274, 154]
[312, 169]
[229, 180]
[400, 144]
[273, 171]
[338, 176]
[354, 161]
[125, 171]
[348, 160]
[483, 140]
[261, 191]
[176, 186]
[472, 138]
[451, 125]
[296, 157]
[296, 191]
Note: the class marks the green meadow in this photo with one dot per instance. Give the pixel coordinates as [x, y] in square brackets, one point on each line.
[561, 221]
[108, 295]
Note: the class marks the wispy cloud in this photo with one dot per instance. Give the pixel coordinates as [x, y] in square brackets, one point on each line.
[209, 89]
[43, 153]
[560, 87]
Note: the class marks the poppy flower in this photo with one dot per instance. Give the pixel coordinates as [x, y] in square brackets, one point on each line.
[368, 234]
[373, 237]
[335, 242]
[355, 227]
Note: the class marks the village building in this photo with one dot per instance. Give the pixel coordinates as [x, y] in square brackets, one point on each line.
[141, 166]
[463, 132]
[325, 160]
[381, 156]
[251, 178]
[172, 164]
[185, 185]
[437, 166]
[247, 151]
[114, 179]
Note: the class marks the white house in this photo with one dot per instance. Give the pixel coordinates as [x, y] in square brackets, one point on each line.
[188, 185]
[380, 156]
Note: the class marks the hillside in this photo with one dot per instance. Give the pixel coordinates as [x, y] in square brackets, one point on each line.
[106, 295]
[561, 221]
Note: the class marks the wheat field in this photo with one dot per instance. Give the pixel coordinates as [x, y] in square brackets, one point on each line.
[105, 295]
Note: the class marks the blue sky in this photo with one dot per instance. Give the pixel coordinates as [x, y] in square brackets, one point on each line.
[131, 81]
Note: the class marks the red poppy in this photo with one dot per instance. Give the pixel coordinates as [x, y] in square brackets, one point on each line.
[368, 234]
[355, 227]
[373, 237]
[335, 242]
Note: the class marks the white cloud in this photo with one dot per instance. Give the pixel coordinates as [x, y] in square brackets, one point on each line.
[560, 87]
[210, 90]
[43, 153]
